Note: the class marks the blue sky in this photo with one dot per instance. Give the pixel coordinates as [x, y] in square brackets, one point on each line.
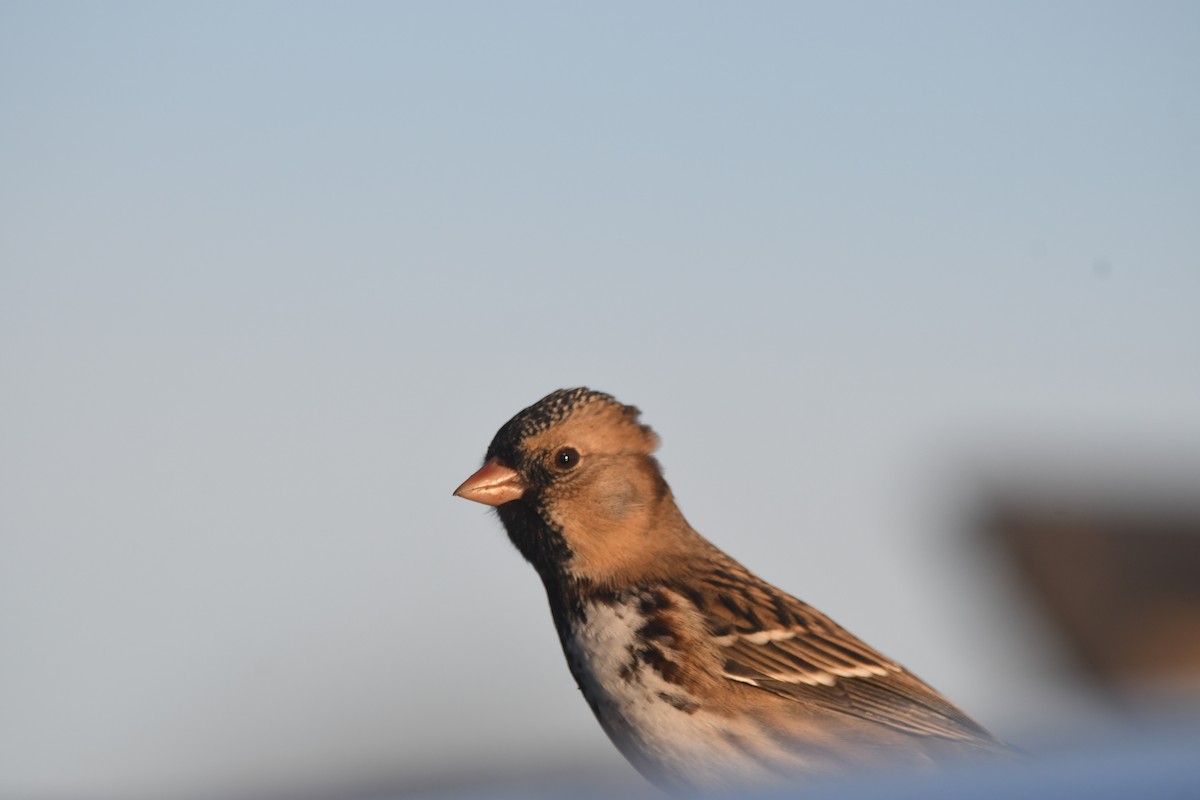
[271, 275]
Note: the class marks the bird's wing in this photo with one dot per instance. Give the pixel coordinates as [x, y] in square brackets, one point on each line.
[782, 645]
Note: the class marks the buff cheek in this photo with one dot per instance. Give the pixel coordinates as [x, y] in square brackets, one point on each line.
[615, 498]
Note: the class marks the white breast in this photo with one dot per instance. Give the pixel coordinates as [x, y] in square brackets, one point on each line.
[664, 731]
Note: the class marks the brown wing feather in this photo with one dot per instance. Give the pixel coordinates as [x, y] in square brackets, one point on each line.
[782, 645]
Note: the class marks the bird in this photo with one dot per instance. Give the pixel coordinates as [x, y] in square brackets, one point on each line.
[703, 675]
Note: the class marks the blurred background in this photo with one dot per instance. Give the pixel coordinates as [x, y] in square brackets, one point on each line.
[910, 291]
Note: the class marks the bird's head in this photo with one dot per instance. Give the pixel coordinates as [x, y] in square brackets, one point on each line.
[574, 482]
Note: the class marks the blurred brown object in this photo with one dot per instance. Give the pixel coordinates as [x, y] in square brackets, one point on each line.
[1121, 587]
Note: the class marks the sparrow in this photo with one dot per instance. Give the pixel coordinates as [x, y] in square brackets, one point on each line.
[703, 675]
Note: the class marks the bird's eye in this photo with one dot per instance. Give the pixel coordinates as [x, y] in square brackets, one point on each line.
[566, 458]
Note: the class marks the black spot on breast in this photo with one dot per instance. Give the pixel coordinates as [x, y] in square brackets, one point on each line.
[681, 703]
[654, 601]
[656, 629]
[603, 596]
[654, 657]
